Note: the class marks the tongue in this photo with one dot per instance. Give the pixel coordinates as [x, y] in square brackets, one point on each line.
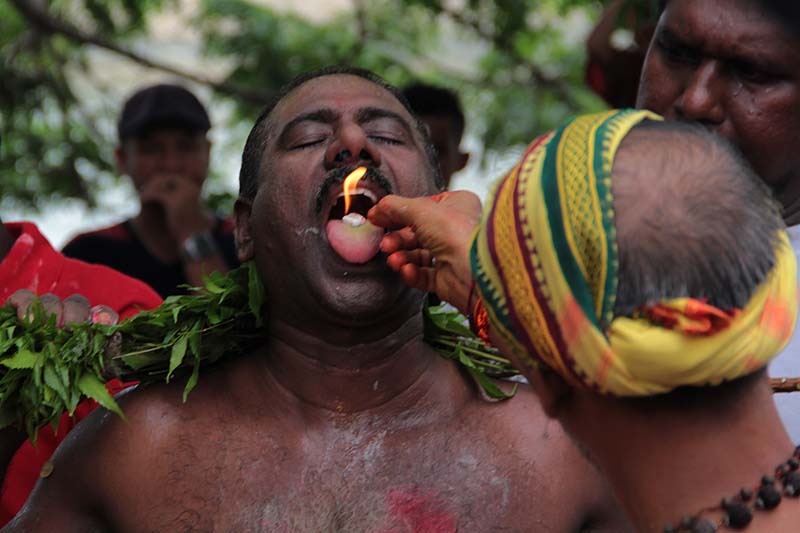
[354, 238]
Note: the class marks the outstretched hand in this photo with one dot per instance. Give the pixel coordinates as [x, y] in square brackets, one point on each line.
[430, 244]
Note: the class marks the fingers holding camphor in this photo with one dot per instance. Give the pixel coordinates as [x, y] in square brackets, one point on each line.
[419, 257]
[401, 239]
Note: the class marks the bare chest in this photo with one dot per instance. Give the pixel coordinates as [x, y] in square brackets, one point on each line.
[355, 481]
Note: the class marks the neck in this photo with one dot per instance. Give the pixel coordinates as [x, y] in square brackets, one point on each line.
[789, 198]
[6, 241]
[673, 464]
[390, 374]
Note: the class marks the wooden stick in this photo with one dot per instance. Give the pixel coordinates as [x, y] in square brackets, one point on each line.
[785, 384]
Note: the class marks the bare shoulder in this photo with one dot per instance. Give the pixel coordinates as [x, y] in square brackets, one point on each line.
[543, 452]
[107, 459]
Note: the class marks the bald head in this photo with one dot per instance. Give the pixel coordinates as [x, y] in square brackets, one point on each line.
[692, 219]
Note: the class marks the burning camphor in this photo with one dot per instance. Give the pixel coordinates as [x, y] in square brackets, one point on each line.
[350, 182]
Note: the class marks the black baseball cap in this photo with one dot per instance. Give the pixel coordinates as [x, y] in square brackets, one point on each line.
[161, 106]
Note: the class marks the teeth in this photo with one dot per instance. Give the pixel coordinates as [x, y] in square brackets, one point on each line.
[366, 192]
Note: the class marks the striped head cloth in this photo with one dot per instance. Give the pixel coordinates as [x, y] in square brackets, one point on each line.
[545, 263]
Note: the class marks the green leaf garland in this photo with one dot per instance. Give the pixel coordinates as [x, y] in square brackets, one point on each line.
[46, 370]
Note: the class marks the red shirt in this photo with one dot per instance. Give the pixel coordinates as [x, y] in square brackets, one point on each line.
[34, 264]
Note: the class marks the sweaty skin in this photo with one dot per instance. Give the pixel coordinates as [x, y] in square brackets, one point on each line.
[343, 419]
[734, 68]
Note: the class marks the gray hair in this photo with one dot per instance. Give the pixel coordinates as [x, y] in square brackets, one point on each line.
[693, 219]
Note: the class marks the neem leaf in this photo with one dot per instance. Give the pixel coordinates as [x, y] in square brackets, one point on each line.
[212, 287]
[178, 351]
[255, 290]
[52, 380]
[192, 382]
[490, 387]
[22, 359]
[96, 390]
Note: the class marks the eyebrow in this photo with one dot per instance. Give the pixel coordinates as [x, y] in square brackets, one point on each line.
[324, 115]
[370, 114]
[736, 54]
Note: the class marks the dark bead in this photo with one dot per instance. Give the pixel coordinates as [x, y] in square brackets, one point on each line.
[768, 497]
[687, 521]
[797, 452]
[738, 515]
[767, 480]
[793, 463]
[791, 484]
[727, 502]
[746, 494]
[703, 526]
[670, 529]
[780, 470]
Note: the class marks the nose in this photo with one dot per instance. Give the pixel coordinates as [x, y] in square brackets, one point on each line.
[351, 146]
[701, 100]
[170, 159]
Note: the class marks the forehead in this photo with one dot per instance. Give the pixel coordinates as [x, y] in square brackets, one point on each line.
[344, 93]
[734, 26]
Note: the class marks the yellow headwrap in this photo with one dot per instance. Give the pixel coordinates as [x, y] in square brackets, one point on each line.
[545, 263]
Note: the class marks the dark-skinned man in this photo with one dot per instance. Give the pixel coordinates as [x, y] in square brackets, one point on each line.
[734, 67]
[344, 419]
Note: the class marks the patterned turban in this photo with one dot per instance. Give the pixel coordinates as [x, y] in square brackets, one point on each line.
[545, 263]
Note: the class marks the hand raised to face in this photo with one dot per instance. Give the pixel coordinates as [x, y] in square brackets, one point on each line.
[430, 249]
[180, 198]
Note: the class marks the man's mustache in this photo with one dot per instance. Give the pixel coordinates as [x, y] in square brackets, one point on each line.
[337, 176]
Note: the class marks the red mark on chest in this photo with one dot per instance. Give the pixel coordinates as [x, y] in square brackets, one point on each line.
[414, 511]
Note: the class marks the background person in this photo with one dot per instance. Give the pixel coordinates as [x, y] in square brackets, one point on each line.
[733, 66]
[174, 239]
[440, 110]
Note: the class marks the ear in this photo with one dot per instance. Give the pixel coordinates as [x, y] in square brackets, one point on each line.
[553, 391]
[243, 234]
[463, 159]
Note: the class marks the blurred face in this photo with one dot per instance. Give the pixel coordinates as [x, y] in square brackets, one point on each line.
[317, 135]
[165, 154]
[446, 142]
[727, 65]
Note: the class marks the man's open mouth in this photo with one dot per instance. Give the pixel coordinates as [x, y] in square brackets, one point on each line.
[361, 201]
[349, 232]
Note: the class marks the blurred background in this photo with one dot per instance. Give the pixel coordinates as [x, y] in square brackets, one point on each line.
[66, 66]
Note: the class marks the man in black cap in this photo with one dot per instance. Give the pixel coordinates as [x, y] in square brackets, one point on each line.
[174, 239]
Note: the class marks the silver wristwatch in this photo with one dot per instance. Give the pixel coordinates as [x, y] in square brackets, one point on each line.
[199, 246]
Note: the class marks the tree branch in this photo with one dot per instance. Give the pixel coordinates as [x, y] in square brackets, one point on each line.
[42, 20]
[554, 84]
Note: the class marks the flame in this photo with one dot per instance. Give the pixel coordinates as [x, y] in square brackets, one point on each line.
[350, 183]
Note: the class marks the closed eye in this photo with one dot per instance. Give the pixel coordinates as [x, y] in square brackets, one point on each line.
[306, 143]
[385, 138]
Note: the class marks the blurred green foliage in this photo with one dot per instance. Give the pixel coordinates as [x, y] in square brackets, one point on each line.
[517, 65]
